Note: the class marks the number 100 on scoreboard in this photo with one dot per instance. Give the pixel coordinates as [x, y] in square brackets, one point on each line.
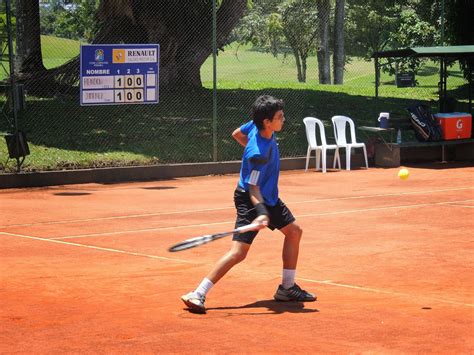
[119, 74]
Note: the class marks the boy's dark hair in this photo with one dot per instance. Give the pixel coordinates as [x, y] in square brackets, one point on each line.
[265, 106]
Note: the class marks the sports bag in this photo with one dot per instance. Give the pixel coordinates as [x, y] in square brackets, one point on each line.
[425, 125]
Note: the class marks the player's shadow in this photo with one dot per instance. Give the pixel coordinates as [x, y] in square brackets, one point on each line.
[72, 193]
[158, 188]
[272, 306]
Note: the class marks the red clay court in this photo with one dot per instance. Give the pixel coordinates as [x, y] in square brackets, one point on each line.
[85, 268]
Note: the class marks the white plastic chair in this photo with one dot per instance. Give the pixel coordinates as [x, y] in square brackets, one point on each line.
[339, 123]
[310, 124]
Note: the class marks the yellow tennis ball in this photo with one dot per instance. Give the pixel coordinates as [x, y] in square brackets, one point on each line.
[403, 174]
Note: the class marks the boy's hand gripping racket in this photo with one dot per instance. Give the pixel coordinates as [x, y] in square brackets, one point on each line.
[194, 242]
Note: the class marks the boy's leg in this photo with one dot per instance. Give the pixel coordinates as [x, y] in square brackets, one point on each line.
[289, 290]
[195, 300]
[291, 245]
[240, 245]
[235, 255]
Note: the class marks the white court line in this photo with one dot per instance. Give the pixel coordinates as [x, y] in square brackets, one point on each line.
[142, 230]
[181, 261]
[231, 222]
[383, 208]
[385, 195]
[116, 217]
[465, 206]
[98, 248]
[387, 292]
[232, 207]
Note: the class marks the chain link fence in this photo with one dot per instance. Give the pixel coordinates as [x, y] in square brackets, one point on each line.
[315, 55]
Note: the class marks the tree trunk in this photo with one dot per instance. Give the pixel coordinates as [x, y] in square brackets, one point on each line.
[339, 53]
[304, 67]
[298, 65]
[324, 66]
[28, 40]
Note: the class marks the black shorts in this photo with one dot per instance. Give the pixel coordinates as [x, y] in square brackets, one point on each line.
[280, 215]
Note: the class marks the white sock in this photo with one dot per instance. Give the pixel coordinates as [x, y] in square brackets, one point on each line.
[204, 287]
[288, 278]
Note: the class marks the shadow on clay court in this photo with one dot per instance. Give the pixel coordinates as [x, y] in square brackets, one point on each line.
[272, 306]
[441, 165]
[438, 165]
[72, 193]
[159, 188]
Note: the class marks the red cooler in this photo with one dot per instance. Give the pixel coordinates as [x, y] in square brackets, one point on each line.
[455, 125]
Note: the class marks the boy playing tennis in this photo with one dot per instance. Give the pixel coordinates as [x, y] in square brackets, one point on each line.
[256, 200]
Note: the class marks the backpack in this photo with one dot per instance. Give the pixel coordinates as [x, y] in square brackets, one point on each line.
[425, 125]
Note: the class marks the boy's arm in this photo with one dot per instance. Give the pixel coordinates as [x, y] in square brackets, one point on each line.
[241, 138]
[257, 200]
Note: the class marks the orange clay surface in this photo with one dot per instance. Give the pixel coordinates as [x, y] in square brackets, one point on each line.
[85, 268]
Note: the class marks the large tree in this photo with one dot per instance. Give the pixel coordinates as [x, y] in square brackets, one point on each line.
[339, 53]
[324, 55]
[459, 29]
[298, 18]
[281, 27]
[412, 32]
[369, 25]
[182, 28]
[28, 40]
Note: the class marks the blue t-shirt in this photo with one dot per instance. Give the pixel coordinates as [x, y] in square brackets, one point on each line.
[260, 164]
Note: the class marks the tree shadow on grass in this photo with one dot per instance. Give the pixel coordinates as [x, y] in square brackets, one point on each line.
[180, 129]
[461, 92]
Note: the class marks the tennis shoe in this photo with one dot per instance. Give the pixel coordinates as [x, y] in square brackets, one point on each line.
[195, 302]
[294, 293]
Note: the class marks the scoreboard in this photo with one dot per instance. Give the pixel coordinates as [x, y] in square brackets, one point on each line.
[117, 74]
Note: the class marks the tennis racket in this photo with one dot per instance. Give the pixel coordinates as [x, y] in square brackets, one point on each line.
[194, 242]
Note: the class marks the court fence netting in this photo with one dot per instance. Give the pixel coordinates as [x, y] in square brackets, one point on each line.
[215, 58]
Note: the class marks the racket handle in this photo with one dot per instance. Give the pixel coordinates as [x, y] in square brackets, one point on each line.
[248, 228]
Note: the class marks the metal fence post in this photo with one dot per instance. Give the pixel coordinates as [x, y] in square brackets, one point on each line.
[442, 23]
[13, 89]
[214, 80]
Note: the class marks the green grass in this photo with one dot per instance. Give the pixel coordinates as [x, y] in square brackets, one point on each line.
[55, 51]
[251, 66]
[64, 135]
[243, 68]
